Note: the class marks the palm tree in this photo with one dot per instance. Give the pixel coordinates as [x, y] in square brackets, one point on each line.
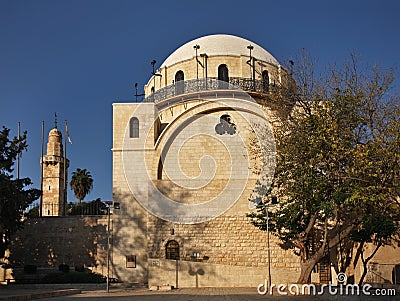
[81, 183]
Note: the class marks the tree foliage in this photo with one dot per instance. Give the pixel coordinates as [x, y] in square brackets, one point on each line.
[14, 197]
[81, 183]
[95, 207]
[338, 160]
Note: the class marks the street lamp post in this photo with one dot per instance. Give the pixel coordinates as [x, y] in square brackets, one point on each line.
[274, 201]
[110, 205]
[268, 249]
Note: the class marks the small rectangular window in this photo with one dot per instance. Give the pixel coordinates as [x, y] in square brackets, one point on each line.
[131, 261]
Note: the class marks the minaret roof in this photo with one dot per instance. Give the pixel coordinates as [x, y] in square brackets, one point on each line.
[55, 132]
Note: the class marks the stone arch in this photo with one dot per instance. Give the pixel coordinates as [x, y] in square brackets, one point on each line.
[208, 107]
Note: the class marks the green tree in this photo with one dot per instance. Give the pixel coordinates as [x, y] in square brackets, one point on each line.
[14, 198]
[337, 159]
[81, 183]
[95, 207]
[378, 229]
[33, 212]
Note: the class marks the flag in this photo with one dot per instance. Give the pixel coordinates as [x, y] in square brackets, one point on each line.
[67, 132]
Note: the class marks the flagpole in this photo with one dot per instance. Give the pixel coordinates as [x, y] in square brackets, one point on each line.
[41, 176]
[65, 169]
[19, 153]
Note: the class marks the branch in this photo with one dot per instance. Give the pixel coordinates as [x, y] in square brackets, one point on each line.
[365, 261]
[310, 225]
[358, 254]
[335, 240]
[321, 250]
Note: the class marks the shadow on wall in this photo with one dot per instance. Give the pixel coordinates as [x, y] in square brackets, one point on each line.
[186, 267]
[129, 241]
[196, 273]
[144, 236]
[50, 241]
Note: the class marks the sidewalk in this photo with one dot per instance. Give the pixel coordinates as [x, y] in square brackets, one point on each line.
[17, 292]
[31, 292]
[93, 292]
[26, 294]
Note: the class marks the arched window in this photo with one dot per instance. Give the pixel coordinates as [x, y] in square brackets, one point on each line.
[179, 82]
[159, 169]
[265, 80]
[172, 250]
[134, 128]
[223, 76]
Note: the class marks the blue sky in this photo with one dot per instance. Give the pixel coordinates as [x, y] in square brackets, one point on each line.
[77, 57]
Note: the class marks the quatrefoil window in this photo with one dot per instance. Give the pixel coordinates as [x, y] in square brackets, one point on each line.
[225, 126]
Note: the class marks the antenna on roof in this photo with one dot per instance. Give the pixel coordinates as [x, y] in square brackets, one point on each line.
[153, 62]
[197, 47]
[136, 94]
[205, 57]
[55, 120]
[250, 62]
[153, 89]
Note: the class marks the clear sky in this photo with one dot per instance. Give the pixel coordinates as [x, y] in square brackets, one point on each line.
[77, 57]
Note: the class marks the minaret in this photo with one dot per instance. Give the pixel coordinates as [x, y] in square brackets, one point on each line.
[54, 173]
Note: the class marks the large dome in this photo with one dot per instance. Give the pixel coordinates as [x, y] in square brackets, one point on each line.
[219, 44]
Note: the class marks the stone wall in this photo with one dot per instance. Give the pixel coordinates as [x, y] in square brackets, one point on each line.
[191, 149]
[226, 245]
[50, 241]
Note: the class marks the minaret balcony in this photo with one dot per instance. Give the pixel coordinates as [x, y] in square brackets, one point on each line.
[52, 159]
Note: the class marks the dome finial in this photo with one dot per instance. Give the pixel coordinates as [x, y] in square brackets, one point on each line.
[55, 120]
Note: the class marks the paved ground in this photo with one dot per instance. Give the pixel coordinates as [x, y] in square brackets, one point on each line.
[120, 294]
[212, 294]
[89, 293]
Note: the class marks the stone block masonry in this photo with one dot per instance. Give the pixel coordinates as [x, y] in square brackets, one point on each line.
[227, 243]
[50, 241]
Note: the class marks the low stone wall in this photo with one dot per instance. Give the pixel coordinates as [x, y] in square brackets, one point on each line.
[48, 242]
[180, 273]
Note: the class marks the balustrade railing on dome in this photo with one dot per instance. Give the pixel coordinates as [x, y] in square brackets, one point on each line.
[209, 84]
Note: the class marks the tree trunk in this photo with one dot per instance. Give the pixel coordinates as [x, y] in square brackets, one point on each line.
[306, 269]
[365, 262]
[307, 264]
[364, 273]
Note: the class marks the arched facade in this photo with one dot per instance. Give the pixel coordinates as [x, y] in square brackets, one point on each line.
[185, 183]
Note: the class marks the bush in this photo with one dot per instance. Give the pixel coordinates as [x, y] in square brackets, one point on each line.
[73, 278]
[63, 268]
[34, 212]
[30, 269]
[95, 207]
